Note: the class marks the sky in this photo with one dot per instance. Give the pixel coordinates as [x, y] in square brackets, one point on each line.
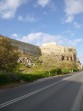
[43, 21]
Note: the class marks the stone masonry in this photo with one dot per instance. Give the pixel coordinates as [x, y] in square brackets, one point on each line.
[26, 48]
[61, 53]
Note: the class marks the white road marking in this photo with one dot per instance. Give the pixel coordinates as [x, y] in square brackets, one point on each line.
[32, 93]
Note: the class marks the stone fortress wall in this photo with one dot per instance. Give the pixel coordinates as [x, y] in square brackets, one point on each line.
[61, 53]
[26, 48]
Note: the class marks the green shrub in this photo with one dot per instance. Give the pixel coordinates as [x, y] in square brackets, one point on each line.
[8, 78]
[12, 77]
[53, 72]
[28, 77]
[59, 71]
[75, 70]
[65, 71]
[8, 55]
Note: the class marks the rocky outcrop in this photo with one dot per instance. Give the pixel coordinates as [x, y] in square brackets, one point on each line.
[27, 61]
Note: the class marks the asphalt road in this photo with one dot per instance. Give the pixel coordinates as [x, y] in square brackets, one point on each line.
[64, 93]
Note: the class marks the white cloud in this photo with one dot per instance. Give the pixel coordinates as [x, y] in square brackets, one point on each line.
[37, 38]
[40, 38]
[73, 7]
[69, 19]
[15, 35]
[47, 3]
[43, 3]
[69, 33]
[76, 41]
[8, 8]
[77, 25]
[29, 18]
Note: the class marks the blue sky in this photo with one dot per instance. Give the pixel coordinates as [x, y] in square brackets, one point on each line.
[43, 21]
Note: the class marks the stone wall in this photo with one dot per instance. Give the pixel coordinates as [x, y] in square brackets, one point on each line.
[28, 52]
[26, 48]
[61, 53]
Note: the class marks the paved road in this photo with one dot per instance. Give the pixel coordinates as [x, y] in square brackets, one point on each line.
[62, 93]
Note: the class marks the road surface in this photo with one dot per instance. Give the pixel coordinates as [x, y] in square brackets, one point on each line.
[63, 93]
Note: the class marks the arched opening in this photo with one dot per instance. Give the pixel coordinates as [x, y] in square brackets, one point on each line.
[63, 58]
[71, 58]
[67, 58]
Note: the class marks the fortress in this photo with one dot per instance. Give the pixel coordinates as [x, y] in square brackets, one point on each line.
[60, 53]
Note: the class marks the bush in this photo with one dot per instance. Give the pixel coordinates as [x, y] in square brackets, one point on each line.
[8, 78]
[53, 72]
[27, 77]
[12, 77]
[75, 70]
[65, 71]
[59, 71]
[8, 55]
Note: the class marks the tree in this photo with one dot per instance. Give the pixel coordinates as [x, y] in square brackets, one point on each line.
[8, 55]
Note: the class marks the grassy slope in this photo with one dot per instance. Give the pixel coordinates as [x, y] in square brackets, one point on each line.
[48, 67]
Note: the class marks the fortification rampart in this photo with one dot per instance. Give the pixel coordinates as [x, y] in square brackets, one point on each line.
[61, 53]
[26, 48]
